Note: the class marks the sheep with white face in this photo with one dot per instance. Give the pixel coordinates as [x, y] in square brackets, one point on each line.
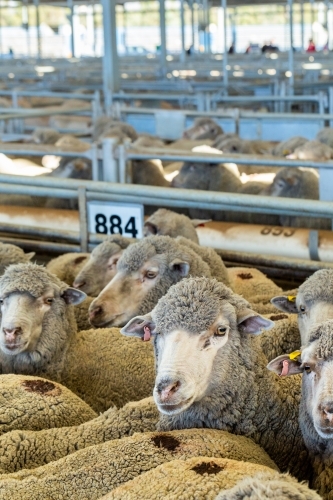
[313, 303]
[211, 371]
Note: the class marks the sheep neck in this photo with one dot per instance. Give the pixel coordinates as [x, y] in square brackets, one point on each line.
[245, 398]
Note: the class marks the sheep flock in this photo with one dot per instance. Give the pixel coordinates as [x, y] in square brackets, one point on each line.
[147, 369]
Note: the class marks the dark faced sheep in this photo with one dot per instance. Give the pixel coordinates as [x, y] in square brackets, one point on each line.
[211, 371]
[203, 128]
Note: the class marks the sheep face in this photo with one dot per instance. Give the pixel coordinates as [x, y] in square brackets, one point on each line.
[286, 183]
[132, 290]
[313, 303]
[193, 176]
[203, 129]
[98, 271]
[198, 322]
[316, 364]
[78, 168]
[22, 317]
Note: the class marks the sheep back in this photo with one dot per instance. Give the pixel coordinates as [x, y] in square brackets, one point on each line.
[95, 471]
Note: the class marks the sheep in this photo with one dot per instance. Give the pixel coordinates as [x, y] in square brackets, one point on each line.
[297, 183]
[67, 266]
[312, 150]
[45, 136]
[101, 266]
[11, 254]
[268, 486]
[208, 255]
[94, 471]
[167, 223]
[315, 413]
[198, 478]
[102, 124]
[26, 449]
[145, 272]
[120, 130]
[148, 141]
[288, 146]
[325, 136]
[146, 172]
[313, 302]
[255, 287]
[203, 327]
[207, 177]
[92, 363]
[203, 128]
[33, 404]
[70, 143]
[72, 168]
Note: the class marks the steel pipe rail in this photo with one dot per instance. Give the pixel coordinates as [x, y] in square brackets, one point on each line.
[152, 195]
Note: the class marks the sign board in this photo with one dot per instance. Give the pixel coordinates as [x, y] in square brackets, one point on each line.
[115, 218]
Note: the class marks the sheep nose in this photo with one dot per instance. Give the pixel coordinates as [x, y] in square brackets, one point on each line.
[328, 410]
[79, 284]
[11, 333]
[95, 311]
[166, 390]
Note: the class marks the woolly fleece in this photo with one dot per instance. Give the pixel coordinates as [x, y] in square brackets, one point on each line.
[29, 449]
[11, 254]
[198, 478]
[168, 223]
[91, 473]
[269, 486]
[67, 266]
[34, 403]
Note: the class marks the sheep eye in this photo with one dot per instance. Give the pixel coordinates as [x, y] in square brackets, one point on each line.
[307, 369]
[1, 301]
[221, 331]
[302, 309]
[151, 275]
[49, 300]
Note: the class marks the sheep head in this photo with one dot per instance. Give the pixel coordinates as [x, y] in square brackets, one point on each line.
[198, 320]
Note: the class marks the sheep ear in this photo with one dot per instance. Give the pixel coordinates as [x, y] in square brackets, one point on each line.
[200, 222]
[30, 255]
[140, 326]
[180, 266]
[249, 321]
[284, 366]
[80, 259]
[73, 296]
[285, 304]
[149, 229]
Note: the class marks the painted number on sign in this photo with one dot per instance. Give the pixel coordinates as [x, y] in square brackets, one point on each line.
[115, 218]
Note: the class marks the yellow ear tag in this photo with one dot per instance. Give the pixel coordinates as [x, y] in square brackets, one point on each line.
[291, 298]
[294, 355]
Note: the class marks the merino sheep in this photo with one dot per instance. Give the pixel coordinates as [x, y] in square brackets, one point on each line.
[315, 361]
[145, 272]
[201, 326]
[34, 305]
[67, 266]
[313, 302]
[325, 135]
[102, 124]
[33, 404]
[208, 255]
[29, 449]
[267, 486]
[312, 150]
[11, 254]
[167, 223]
[148, 141]
[288, 146]
[147, 172]
[94, 471]
[203, 128]
[100, 268]
[120, 131]
[70, 143]
[200, 478]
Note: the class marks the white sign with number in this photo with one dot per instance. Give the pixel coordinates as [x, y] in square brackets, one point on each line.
[115, 218]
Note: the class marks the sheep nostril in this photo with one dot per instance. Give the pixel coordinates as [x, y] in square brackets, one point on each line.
[12, 332]
[79, 284]
[167, 390]
[95, 312]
